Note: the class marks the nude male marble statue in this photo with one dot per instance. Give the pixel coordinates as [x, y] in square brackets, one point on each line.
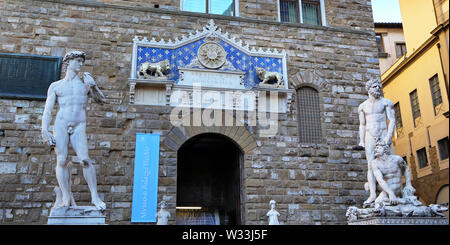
[71, 93]
[388, 170]
[385, 169]
[373, 116]
[394, 200]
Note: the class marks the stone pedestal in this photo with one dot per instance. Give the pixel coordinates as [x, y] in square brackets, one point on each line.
[401, 221]
[76, 215]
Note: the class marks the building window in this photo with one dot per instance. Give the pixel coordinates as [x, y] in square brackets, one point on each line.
[380, 46]
[398, 116]
[443, 148]
[311, 12]
[289, 11]
[422, 157]
[414, 105]
[27, 76]
[302, 11]
[222, 7]
[400, 49]
[435, 92]
[379, 39]
[310, 129]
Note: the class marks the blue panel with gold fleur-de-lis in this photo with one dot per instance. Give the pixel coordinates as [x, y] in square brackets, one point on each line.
[184, 55]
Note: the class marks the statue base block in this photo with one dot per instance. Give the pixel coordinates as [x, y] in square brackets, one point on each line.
[76, 215]
[401, 221]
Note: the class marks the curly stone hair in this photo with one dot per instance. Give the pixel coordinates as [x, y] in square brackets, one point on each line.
[371, 82]
[74, 54]
[379, 143]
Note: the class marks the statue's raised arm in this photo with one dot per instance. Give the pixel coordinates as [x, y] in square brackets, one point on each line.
[94, 91]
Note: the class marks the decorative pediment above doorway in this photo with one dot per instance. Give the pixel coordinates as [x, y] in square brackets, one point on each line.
[209, 57]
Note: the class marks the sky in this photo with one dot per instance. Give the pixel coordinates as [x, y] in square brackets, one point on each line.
[386, 11]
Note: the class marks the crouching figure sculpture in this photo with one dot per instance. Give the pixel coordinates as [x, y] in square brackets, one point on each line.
[388, 170]
[393, 199]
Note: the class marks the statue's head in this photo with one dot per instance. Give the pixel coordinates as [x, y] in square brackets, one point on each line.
[259, 71]
[74, 59]
[272, 203]
[381, 149]
[74, 54]
[165, 65]
[163, 204]
[374, 88]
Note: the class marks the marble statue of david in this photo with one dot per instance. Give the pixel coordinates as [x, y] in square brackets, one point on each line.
[71, 93]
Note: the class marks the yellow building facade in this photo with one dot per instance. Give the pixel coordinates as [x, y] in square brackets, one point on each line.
[417, 84]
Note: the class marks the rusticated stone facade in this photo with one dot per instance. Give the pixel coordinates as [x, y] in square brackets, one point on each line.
[343, 13]
[311, 183]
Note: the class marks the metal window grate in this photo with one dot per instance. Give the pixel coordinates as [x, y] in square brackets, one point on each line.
[311, 12]
[379, 40]
[443, 148]
[414, 104]
[422, 158]
[398, 116]
[400, 49]
[289, 11]
[435, 91]
[310, 129]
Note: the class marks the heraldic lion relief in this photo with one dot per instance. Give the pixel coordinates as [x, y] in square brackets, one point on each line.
[267, 76]
[149, 70]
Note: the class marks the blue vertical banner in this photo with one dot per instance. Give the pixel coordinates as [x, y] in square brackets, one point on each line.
[145, 185]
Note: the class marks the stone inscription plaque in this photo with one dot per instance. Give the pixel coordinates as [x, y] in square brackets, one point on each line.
[212, 78]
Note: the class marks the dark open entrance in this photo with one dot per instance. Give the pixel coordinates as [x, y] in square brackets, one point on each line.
[209, 176]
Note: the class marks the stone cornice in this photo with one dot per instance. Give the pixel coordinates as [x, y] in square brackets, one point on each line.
[442, 26]
[89, 3]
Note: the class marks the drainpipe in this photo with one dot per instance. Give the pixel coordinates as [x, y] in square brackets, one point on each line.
[446, 114]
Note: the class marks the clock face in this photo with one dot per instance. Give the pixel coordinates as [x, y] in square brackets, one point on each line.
[211, 55]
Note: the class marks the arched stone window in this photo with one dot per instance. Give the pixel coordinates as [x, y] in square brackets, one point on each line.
[309, 123]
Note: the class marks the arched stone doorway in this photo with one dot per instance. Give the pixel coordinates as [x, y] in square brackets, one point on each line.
[209, 181]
